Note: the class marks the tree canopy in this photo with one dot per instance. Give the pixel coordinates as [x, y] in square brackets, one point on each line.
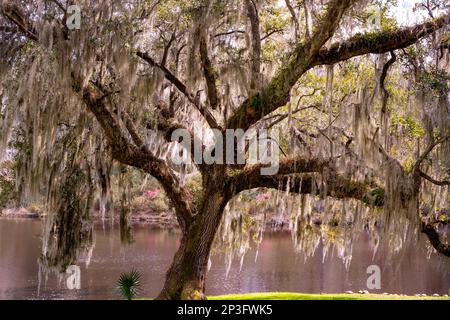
[362, 102]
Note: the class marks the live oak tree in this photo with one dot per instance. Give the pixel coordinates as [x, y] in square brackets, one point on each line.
[116, 89]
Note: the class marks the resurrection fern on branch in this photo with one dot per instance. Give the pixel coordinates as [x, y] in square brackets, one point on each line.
[129, 284]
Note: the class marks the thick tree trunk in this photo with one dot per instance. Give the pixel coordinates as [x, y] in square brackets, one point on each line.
[186, 277]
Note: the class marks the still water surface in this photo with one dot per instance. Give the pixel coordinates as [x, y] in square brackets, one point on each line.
[277, 268]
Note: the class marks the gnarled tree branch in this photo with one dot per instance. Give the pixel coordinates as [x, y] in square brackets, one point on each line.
[378, 42]
[307, 56]
[252, 14]
[277, 93]
[138, 157]
[16, 16]
[210, 119]
[122, 149]
[297, 175]
[434, 181]
[208, 71]
[434, 238]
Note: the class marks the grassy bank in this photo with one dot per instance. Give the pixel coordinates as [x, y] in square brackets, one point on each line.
[305, 296]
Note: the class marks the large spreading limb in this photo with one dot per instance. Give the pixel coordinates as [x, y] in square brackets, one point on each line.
[123, 150]
[378, 42]
[434, 181]
[277, 93]
[297, 174]
[137, 156]
[307, 56]
[427, 151]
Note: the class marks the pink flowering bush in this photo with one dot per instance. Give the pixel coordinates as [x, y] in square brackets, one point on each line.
[263, 196]
[153, 199]
[151, 194]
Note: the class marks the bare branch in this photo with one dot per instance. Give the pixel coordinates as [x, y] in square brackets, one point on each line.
[385, 93]
[16, 15]
[297, 108]
[427, 151]
[210, 119]
[281, 117]
[294, 17]
[434, 181]
[271, 32]
[277, 93]
[433, 237]
[252, 14]
[228, 33]
[167, 48]
[208, 71]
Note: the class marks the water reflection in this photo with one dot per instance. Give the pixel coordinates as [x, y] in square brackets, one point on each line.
[276, 269]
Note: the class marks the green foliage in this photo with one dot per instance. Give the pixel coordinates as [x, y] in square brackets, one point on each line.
[375, 197]
[269, 51]
[128, 285]
[443, 218]
[194, 185]
[6, 191]
[29, 45]
[273, 18]
[256, 101]
[307, 296]
[413, 126]
[408, 165]
[7, 183]
[435, 81]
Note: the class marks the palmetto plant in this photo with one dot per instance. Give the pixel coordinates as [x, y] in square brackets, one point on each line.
[129, 284]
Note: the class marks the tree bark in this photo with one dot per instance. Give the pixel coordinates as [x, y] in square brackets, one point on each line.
[186, 276]
[185, 279]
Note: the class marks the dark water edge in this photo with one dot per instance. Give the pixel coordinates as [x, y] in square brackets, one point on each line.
[277, 268]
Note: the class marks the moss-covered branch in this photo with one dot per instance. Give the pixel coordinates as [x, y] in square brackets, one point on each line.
[133, 154]
[277, 93]
[138, 157]
[207, 115]
[378, 42]
[297, 175]
[308, 55]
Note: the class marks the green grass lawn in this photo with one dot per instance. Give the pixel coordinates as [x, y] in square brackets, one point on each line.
[306, 296]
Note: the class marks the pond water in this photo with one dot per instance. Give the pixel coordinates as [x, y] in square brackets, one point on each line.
[277, 267]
